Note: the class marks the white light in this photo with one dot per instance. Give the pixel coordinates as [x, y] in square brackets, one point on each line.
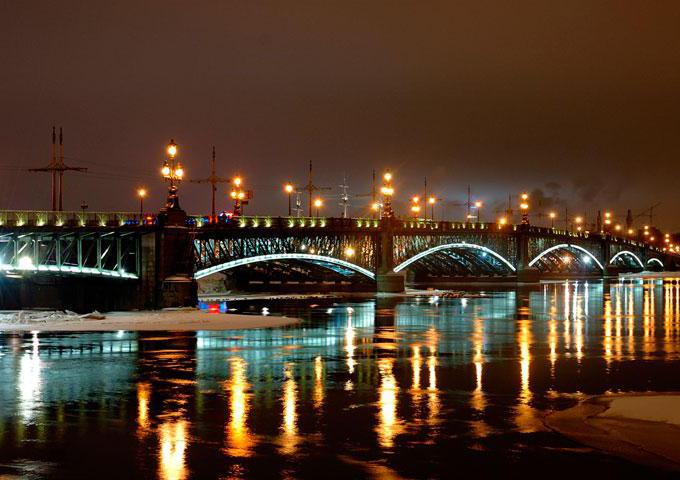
[26, 263]
[438, 248]
[586, 259]
[281, 256]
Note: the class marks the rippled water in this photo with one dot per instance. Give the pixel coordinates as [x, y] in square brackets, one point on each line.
[387, 387]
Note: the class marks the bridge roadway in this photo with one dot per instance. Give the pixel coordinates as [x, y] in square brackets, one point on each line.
[121, 260]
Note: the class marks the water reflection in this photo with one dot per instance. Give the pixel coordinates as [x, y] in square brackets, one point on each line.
[239, 439]
[173, 443]
[477, 400]
[289, 436]
[30, 380]
[389, 424]
[143, 397]
[525, 417]
[426, 382]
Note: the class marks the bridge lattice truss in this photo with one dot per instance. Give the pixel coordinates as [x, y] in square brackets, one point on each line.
[100, 252]
[347, 253]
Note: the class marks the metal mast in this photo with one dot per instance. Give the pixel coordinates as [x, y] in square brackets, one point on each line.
[57, 167]
[310, 188]
[213, 180]
[344, 196]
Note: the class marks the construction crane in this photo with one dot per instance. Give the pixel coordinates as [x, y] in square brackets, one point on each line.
[57, 167]
[213, 179]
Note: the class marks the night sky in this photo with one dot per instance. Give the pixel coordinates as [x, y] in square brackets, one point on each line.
[578, 102]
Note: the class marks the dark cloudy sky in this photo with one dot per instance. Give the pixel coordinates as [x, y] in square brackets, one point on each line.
[580, 100]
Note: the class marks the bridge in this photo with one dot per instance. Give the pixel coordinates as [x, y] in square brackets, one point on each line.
[83, 260]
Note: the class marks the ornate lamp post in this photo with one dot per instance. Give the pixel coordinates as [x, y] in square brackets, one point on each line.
[387, 191]
[415, 206]
[524, 207]
[173, 172]
[238, 195]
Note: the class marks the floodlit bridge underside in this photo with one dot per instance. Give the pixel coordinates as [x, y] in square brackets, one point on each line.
[567, 259]
[292, 269]
[455, 261]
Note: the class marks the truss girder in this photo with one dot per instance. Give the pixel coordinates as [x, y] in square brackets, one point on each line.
[105, 253]
[407, 246]
[359, 249]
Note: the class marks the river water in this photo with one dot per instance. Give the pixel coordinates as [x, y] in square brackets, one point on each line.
[413, 387]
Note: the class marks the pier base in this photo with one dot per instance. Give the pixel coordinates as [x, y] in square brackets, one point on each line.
[391, 283]
[528, 275]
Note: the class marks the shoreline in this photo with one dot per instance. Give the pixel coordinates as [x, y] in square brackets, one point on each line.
[640, 427]
[161, 320]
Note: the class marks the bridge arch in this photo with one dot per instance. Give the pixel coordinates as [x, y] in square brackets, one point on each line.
[629, 254]
[283, 256]
[451, 246]
[656, 260]
[566, 246]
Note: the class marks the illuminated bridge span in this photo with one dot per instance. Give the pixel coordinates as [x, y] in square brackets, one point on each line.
[155, 261]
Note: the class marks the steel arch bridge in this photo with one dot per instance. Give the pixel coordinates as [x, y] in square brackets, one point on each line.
[158, 259]
[422, 251]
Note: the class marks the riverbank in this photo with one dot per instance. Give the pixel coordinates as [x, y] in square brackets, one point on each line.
[643, 428]
[171, 320]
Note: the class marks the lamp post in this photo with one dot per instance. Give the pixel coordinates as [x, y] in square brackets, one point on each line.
[387, 191]
[524, 207]
[173, 172]
[432, 201]
[552, 216]
[318, 203]
[238, 195]
[478, 206]
[289, 189]
[578, 221]
[607, 222]
[415, 206]
[141, 193]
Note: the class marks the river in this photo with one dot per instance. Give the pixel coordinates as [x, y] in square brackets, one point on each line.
[381, 387]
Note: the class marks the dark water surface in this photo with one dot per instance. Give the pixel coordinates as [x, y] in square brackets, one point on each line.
[387, 387]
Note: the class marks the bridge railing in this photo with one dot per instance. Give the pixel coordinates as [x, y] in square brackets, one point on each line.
[255, 221]
[41, 218]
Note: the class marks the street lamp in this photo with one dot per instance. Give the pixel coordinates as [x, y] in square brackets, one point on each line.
[524, 207]
[552, 216]
[478, 206]
[415, 206]
[607, 221]
[289, 189]
[141, 193]
[432, 201]
[173, 172]
[238, 195]
[318, 203]
[387, 191]
[578, 221]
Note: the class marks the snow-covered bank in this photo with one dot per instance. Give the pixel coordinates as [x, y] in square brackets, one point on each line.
[638, 427]
[173, 320]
